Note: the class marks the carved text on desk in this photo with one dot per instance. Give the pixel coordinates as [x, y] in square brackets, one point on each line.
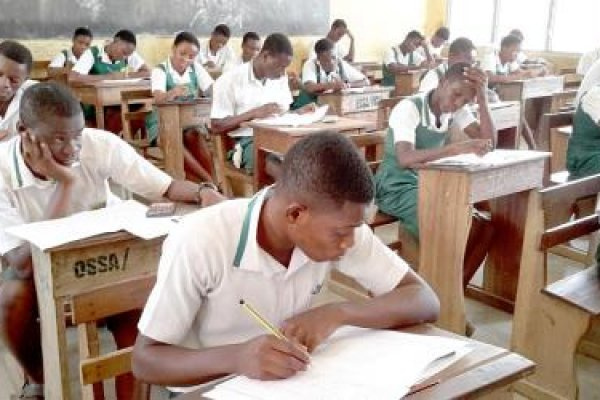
[101, 264]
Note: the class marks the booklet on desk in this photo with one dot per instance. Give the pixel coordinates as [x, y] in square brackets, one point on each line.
[353, 364]
[129, 215]
[294, 119]
[492, 159]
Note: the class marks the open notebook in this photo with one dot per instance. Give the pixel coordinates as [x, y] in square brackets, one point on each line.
[355, 363]
[293, 119]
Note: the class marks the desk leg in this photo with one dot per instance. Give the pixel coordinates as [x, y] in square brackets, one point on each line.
[260, 178]
[444, 223]
[501, 272]
[171, 140]
[99, 108]
[52, 323]
[508, 139]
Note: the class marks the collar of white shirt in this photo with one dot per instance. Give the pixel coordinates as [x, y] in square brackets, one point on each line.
[21, 175]
[252, 77]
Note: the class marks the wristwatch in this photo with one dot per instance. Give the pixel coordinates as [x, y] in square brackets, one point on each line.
[202, 186]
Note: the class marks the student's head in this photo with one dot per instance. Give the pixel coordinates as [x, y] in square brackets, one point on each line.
[510, 46]
[461, 50]
[275, 56]
[412, 41]
[325, 56]
[124, 43]
[219, 37]
[440, 37]
[517, 33]
[325, 188]
[250, 46]
[82, 39]
[338, 30]
[455, 90]
[15, 66]
[184, 51]
[50, 113]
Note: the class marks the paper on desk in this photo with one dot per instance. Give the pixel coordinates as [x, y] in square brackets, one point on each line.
[493, 158]
[355, 363]
[354, 90]
[293, 119]
[128, 215]
[126, 80]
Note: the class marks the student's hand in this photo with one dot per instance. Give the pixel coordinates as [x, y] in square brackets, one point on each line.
[479, 78]
[266, 110]
[312, 327]
[179, 91]
[338, 85]
[477, 146]
[267, 358]
[308, 108]
[38, 157]
[209, 197]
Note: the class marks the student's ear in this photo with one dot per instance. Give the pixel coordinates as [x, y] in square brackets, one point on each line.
[295, 213]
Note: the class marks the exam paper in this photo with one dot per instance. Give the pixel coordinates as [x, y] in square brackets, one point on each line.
[293, 119]
[493, 158]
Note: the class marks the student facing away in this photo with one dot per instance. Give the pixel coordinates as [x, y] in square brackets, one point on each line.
[273, 251]
[418, 133]
[180, 77]
[54, 168]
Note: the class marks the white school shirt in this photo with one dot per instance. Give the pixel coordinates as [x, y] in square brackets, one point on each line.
[587, 60]
[436, 52]
[591, 79]
[238, 91]
[398, 57]
[405, 117]
[158, 77]
[224, 55]
[492, 63]
[195, 302]
[86, 61]
[338, 50]
[11, 117]
[351, 74]
[431, 80]
[590, 103]
[24, 198]
[59, 60]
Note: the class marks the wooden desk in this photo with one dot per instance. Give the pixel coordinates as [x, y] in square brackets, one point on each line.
[78, 267]
[486, 372]
[39, 70]
[372, 70]
[407, 83]
[446, 197]
[105, 93]
[174, 117]
[350, 104]
[278, 139]
[506, 116]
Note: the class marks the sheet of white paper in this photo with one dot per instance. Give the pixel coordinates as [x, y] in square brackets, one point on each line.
[128, 215]
[129, 80]
[293, 119]
[355, 363]
[354, 90]
[493, 158]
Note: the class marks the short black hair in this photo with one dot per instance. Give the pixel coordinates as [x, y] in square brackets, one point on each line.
[277, 43]
[442, 33]
[323, 45]
[82, 31]
[414, 35]
[250, 36]
[126, 36]
[188, 37]
[510, 40]
[517, 33]
[329, 166]
[47, 98]
[461, 45]
[339, 23]
[17, 52]
[222, 30]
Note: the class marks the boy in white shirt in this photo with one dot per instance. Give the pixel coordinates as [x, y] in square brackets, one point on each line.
[502, 66]
[404, 57]
[461, 50]
[82, 40]
[214, 53]
[432, 48]
[250, 49]
[338, 30]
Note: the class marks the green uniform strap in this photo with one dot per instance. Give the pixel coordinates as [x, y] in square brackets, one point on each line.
[16, 166]
[396, 55]
[66, 56]
[243, 240]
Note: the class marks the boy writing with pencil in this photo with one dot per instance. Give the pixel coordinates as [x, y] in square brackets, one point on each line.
[274, 251]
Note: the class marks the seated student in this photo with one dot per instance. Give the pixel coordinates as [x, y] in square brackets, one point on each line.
[181, 77]
[55, 168]
[338, 30]
[327, 72]
[257, 89]
[250, 49]
[215, 53]
[587, 60]
[461, 51]
[523, 60]
[15, 66]
[591, 79]
[275, 252]
[502, 66]
[403, 57]
[418, 133]
[432, 48]
[583, 152]
[66, 59]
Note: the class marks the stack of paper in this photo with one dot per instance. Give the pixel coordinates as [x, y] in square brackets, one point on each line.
[493, 158]
[355, 363]
[294, 119]
[128, 215]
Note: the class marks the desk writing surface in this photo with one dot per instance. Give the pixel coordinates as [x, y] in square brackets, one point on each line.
[523, 89]
[355, 100]
[339, 124]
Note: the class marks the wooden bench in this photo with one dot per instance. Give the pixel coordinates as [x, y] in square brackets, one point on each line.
[549, 122]
[550, 320]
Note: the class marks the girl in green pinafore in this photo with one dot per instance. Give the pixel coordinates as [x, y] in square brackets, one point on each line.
[403, 57]
[583, 153]
[418, 133]
[181, 78]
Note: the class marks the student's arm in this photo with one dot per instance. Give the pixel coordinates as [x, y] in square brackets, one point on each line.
[354, 76]
[159, 87]
[138, 65]
[189, 192]
[58, 65]
[318, 88]
[485, 129]
[80, 71]
[350, 56]
[429, 59]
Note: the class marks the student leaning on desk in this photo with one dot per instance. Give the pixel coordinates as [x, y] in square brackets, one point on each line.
[274, 251]
[67, 58]
[404, 57]
[55, 168]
